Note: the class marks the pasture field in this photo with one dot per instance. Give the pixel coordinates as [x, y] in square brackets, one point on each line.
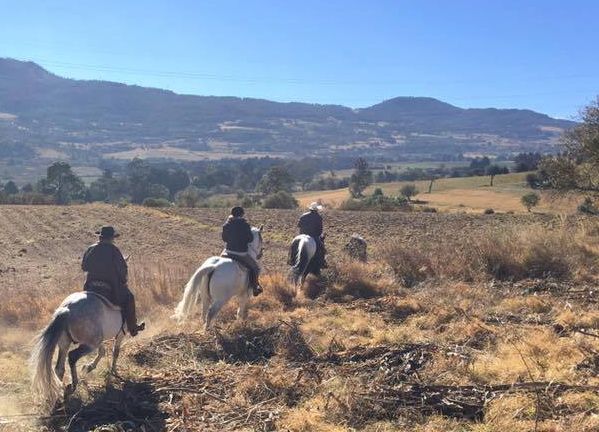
[403, 166]
[464, 194]
[458, 322]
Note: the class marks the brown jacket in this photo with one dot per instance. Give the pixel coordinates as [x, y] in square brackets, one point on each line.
[104, 262]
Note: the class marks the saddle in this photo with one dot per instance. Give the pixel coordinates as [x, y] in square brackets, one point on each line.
[235, 258]
[104, 300]
[102, 290]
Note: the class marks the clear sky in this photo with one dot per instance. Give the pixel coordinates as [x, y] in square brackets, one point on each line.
[537, 54]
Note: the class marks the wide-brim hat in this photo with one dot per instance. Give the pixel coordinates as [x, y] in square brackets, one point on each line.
[108, 232]
[315, 206]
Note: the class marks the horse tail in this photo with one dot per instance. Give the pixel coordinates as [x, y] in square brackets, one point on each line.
[302, 259]
[196, 288]
[45, 383]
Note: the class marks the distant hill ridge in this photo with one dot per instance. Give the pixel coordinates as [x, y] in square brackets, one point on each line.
[55, 112]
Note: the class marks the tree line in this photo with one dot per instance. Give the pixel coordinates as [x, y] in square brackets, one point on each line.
[269, 182]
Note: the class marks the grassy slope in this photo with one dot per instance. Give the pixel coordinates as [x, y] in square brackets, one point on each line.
[469, 194]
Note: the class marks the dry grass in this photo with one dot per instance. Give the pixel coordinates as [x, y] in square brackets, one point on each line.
[513, 255]
[466, 194]
[440, 310]
[347, 280]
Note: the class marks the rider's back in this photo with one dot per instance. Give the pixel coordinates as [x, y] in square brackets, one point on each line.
[237, 234]
[104, 262]
[310, 223]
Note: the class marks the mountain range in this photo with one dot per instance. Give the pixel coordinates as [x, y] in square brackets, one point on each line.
[44, 116]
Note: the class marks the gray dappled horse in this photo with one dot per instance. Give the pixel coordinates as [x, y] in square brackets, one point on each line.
[216, 281]
[83, 318]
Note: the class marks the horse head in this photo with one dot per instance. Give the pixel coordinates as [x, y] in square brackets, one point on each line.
[255, 246]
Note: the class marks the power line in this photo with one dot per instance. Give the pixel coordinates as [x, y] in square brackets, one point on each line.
[194, 75]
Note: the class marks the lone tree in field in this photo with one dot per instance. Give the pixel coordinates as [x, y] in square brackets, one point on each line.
[431, 180]
[493, 170]
[530, 200]
[63, 183]
[10, 188]
[191, 197]
[578, 167]
[409, 191]
[360, 179]
[276, 179]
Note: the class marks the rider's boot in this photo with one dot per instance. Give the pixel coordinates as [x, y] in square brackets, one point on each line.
[256, 288]
[322, 257]
[131, 318]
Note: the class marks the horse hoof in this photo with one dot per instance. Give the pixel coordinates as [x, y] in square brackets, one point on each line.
[69, 390]
[113, 374]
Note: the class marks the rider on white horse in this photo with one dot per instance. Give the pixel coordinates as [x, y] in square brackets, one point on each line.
[237, 235]
[107, 275]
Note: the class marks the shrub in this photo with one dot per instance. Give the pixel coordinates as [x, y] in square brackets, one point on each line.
[156, 202]
[533, 180]
[496, 257]
[278, 286]
[352, 204]
[313, 287]
[489, 211]
[588, 207]
[408, 191]
[353, 280]
[158, 191]
[191, 196]
[530, 200]
[32, 198]
[410, 266]
[546, 260]
[10, 188]
[280, 200]
[376, 202]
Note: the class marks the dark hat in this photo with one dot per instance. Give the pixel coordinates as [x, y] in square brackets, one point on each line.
[107, 232]
[237, 211]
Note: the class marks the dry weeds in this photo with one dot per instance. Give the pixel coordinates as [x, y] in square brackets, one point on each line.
[458, 339]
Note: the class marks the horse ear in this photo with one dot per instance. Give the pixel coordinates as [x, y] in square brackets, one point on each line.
[261, 228]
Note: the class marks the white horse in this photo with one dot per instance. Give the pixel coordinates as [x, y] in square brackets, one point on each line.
[83, 318]
[216, 281]
[301, 266]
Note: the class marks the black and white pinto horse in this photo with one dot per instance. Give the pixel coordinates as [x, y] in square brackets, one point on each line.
[303, 263]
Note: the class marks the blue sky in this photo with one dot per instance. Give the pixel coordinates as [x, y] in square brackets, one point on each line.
[541, 55]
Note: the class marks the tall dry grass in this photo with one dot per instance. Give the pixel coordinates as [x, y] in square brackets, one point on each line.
[516, 254]
[156, 287]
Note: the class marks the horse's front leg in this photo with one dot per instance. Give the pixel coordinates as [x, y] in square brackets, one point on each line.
[244, 301]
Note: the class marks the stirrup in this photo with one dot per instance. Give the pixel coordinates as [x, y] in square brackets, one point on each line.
[139, 327]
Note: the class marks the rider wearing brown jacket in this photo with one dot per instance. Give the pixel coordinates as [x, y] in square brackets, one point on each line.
[107, 275]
